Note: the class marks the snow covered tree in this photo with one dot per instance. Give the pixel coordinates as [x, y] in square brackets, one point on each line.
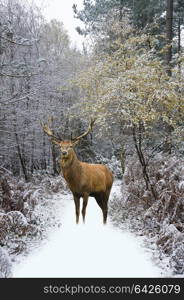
[36, 63]
[131, 87]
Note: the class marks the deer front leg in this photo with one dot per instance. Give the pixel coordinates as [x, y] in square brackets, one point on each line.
[85, 202]
[77, 207]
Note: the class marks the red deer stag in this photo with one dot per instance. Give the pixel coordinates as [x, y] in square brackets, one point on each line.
[83, 179]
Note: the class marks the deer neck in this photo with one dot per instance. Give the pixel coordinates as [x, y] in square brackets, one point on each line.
[70, 162]
[71, 169]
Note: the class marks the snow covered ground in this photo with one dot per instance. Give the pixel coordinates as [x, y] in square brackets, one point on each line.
[88, 250]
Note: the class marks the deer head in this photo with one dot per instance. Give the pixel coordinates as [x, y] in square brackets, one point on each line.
[66, 146]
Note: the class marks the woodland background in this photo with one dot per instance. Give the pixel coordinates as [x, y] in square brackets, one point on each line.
[130, 77]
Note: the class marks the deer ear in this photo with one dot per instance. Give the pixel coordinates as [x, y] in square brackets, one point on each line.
[75, 143]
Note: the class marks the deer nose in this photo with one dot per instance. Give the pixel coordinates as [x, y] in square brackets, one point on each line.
[64, 152]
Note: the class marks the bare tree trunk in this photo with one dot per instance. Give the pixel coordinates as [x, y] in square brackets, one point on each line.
[168, 59]
[137, 138]
[12, 89]
[1, 49]
[22, 161]
[44, 156]
[169, 35]
[54, 156]
[179, 42]
[121, 11]
[122, 159]
[32, 153]
[54, 160]
[6, 195]
[121, 18]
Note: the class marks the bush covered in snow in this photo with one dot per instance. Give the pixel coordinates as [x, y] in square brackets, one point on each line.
[25, 214]
[113, 164]
[160, 218]
[5, 264]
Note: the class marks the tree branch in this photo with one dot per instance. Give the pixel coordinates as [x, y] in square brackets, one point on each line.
[14, 42]
[18, 76]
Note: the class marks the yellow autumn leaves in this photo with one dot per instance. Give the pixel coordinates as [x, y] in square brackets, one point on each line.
[131, 84]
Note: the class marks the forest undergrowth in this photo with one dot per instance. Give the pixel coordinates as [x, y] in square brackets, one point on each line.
[27, 214]
[160, 220]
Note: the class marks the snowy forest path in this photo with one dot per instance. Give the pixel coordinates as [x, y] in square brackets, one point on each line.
[88, 250]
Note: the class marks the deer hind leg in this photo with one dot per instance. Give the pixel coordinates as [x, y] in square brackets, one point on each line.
[105, 205]
[77, 207]
[85, 202]
[105, 209]
[102, 199]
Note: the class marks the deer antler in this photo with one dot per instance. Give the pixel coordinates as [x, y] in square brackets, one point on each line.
[49, 132]
[90, 127]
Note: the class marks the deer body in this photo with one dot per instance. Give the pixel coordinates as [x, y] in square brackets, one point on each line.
[84, 179]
